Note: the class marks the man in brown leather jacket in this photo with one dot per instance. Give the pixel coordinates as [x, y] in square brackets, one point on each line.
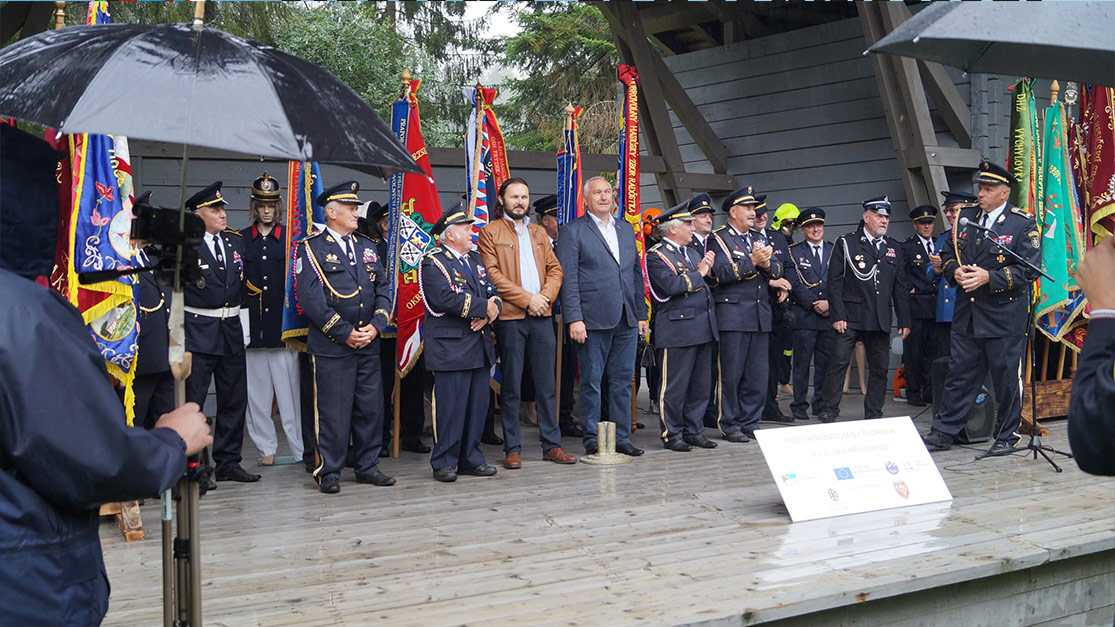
[524, 269]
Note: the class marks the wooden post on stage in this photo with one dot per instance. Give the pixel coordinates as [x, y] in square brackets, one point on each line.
[1061, 363]
[395, 402]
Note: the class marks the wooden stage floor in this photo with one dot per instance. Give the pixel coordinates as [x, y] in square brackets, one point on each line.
[672, 538]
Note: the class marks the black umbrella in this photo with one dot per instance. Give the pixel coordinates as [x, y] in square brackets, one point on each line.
[196, 86]
[1062, 40]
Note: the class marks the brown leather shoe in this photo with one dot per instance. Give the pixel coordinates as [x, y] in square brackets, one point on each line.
[512, 461]
[558, 456]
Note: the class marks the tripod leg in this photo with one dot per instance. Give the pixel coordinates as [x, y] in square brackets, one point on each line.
[1047, 458]
[168, 562]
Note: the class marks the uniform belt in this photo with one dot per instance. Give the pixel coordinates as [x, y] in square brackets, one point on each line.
[222, 313]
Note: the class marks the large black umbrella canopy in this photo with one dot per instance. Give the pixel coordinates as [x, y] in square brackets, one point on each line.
[198, 86]
[1061, 40]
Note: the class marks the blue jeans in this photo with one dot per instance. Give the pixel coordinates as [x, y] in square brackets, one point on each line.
[611, 350]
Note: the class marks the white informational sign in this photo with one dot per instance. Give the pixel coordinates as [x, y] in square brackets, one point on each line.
[851, 467]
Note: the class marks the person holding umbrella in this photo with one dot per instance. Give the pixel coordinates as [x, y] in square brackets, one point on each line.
[214, 334]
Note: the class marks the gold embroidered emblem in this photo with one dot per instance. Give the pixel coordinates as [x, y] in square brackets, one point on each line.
[331, 258]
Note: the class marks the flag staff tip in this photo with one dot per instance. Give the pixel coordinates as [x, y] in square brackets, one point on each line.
[199, 13]
[407, 76]
[1054, 89]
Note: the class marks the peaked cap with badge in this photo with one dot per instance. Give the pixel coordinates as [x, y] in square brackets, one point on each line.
[453, 215]
[994, 174]
[742, 196]
[546, 205]
[958, 198]
[701, 203]
[923, 213]
[208, 197]
[342, 192]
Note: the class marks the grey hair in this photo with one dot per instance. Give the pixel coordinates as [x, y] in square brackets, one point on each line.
[584, 189]
[664, 228]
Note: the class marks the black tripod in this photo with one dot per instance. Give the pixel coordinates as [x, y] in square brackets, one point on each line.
[1034, 444]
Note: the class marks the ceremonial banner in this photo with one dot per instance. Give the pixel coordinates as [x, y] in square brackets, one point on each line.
[304, 217]
[1062, 228]
[569, 186]
[414, 208]
[1097, 117]
[627, 180]
[485, 156]
[97, 236]
[1024, 149]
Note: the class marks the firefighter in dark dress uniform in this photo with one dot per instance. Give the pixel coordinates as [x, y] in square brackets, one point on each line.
[214, 334]
[991, 314]
[918, 349]
[813, 334]
[343, 289]
[684, 329]
[867, 284]
[744, 267]
[461, 305]
[700, 207]
[780, 343]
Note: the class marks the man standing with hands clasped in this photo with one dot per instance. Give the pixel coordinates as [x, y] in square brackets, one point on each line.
[343, 288]
[602, 301]
[992, 310]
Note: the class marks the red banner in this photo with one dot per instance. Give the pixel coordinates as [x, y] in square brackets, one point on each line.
[414, 208]
[1096, 114]
[628, 179]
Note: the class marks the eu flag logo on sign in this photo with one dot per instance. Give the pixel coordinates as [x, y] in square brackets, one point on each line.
[843, 474]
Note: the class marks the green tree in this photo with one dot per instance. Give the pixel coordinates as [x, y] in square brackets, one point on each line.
[565, 53]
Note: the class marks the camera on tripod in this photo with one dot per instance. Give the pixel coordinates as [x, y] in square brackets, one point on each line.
[170, 230]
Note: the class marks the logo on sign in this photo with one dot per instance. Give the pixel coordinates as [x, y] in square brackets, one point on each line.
[902, 489]
[892, 468]
[843, 474]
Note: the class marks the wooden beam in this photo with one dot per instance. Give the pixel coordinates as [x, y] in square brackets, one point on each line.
[682, 106]
[439, 157]
[657, 18]
[906, 109]
[655, 127]
[950, 104]
[947, 157]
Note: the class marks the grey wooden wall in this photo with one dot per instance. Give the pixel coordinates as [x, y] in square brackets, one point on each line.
[802, 120]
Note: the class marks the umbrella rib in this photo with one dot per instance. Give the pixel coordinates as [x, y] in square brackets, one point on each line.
[976, 59]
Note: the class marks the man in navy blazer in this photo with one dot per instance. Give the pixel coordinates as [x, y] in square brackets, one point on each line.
[603, 304]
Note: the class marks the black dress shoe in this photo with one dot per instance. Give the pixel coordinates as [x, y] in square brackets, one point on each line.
[571, 430]
[628, 449]
[680, 446]
[799, 414]
[1000, 447]
[639, 425]
[376, 478]
[483, 470]
[446, 475]
[937, 441]
[750, 433]
[491, 438]
[414, 446]
[736, 436]
[236, 473]
[207, 485]
[330, 485]
[826, 416]
[590, 449]
[699, 440]
[779, 417]
[916, 401]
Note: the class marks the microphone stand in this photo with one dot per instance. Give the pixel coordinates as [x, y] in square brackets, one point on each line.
[1034, 444]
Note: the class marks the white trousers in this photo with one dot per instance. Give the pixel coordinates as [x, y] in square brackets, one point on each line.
[273, 373]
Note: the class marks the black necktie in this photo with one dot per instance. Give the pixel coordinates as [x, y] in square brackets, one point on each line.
[465, 265]
[929, 248]
[983, 219]
[817, 255]
[217, 252]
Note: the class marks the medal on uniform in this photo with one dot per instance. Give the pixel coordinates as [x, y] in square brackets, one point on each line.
[329, 238]
[862, 265]
[1001, 219]
[331, 258]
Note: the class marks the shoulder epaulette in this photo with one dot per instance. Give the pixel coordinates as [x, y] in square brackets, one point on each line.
[1022, 212]
[656, 247]
[233, 232]
[795, 244]
[720, 228]
[312, 235]
[909, 239]
[359, 234]
[433, 251]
